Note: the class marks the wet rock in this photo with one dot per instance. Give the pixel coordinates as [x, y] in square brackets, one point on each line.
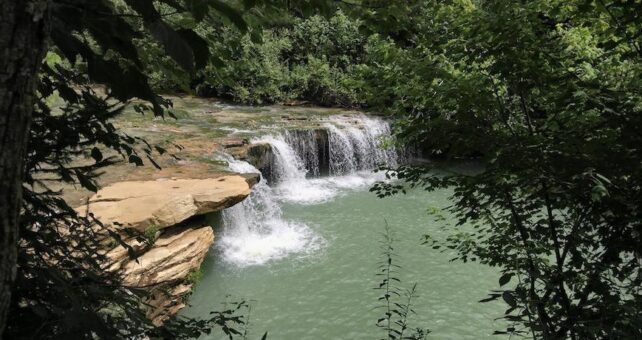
[234, 142]
[251, 179]
[313, 146]
[261, 156]
[323, 151]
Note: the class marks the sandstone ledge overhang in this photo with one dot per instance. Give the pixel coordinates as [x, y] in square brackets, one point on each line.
[165, 202]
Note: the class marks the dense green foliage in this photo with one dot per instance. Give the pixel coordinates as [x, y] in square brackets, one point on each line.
[61, 288]
[311, 59]
[547, 96]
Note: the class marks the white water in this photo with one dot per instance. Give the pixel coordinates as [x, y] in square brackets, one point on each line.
[358, 140]
[255, 231]
[290, 174]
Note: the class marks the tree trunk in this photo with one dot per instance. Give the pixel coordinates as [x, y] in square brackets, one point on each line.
[23, 33]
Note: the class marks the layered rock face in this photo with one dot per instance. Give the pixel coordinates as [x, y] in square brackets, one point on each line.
[163, 203]
[164, 211]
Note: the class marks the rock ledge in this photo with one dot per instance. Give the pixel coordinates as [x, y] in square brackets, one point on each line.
[164, 211]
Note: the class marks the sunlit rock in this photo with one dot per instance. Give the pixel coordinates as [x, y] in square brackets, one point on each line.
[163, 203]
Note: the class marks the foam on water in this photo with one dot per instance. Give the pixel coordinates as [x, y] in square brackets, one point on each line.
[255, 231]
[354, 151]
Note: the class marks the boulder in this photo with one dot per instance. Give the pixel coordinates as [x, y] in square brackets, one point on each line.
[260, 155]
[164, 202]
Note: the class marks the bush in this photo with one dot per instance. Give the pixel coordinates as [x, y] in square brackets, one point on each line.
[322, 83]
[254, 73]
[311, 60]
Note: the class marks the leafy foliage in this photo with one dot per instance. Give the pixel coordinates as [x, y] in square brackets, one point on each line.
[62, 289]
[311, 59]
[546, 95]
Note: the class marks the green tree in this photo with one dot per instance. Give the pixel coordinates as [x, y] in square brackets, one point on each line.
[546, 95]
[53, 255]
[312, 59]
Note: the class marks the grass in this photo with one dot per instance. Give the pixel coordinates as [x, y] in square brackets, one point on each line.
[151, 234]
[194, 276]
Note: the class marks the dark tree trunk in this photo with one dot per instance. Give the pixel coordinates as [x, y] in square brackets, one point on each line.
[23, 33]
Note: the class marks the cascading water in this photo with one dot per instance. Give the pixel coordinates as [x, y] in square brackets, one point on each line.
[353, 147]
[355, 144]
[290, 174]
[305, 145]
[311, 280]
[341, 151]
[255, 231]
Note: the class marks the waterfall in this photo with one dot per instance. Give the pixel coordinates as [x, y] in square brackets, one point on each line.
[344, 146]
[341, 151]
[348, 149]
[355, 144]
[290, 173]
[255, 231]
[305, 145]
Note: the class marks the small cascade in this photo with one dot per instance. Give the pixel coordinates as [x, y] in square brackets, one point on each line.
[347, 148]
[343, 146]
[255, 231]
[342, 160]
[356, 144]
[288, 165]
[307, 167]
[290, 174]
[305, 145]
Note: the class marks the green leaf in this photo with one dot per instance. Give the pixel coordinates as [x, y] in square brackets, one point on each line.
[504, 279]
[509, 298]
[154, 163]
[85, 181]
[198, 8]
[198, 45]
[231, 13]
[136, 160]
[174, 44]
[96, 154]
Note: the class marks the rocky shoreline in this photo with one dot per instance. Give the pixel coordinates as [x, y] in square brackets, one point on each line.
[167, 206]
[168, 212]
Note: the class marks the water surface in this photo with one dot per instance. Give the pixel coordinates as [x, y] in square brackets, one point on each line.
[327, 293]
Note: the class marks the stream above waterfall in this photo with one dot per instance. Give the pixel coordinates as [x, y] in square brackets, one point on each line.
[304, 247]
